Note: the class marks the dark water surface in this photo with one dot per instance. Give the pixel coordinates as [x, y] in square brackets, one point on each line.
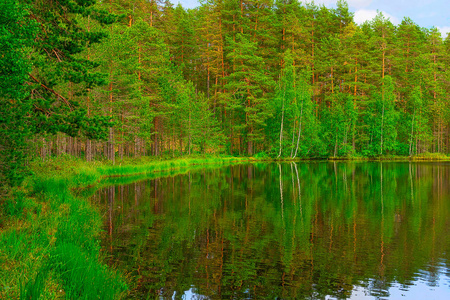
[284, 231]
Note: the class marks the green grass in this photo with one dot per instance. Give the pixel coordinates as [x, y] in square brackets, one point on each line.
[430, 156]
[53, 252]
[418, 157]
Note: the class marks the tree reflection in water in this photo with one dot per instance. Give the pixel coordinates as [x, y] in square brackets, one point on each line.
[290, 230]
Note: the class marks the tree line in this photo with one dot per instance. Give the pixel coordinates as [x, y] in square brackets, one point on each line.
[122, 78]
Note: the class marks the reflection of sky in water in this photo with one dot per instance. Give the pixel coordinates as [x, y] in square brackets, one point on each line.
[190, 295]
[420, 289]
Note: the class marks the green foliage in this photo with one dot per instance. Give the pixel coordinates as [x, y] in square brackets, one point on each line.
[261, 155]
[16, 37]
[190, 112]
[56, 62]
[384, 119]
[156, 79]
[39, 54]
[152, 78]
[17, 34]
[56, 247]
[340, 119]
[294, 108]
[248, 84]
[308, 123]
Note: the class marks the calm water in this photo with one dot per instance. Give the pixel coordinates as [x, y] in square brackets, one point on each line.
[284, 231]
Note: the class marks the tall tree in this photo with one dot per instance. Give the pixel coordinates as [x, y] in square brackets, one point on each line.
[17, 37]
[248, 84]
[52, 52]
[384, 118]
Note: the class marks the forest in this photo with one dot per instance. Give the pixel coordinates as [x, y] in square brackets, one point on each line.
[142, 122]
[280, 79]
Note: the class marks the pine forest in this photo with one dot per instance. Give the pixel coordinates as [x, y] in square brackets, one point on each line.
[281, 79]
[241, 149]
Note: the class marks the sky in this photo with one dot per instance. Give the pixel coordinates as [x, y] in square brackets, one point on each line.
[425, 13]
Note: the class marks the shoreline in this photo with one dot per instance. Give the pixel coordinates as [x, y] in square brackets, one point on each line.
[50, 237]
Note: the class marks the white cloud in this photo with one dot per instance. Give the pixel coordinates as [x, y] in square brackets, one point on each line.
[444, 31]
[363, 15]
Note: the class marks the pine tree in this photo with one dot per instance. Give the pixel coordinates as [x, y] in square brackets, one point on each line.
[381, 44]
[248, 85]
[52, 51]
[433, 55]
[17, 36]
[160, 73]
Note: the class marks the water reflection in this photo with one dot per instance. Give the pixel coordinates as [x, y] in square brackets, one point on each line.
[309, 230]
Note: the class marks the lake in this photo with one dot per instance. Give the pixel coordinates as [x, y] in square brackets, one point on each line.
[318, 230]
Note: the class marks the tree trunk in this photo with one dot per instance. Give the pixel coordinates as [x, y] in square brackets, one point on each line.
[293, 139]
[299, 130]
[155, 137]
[382, 125]
[111, 152]
[336, 143]
[190, 135]
[412, 133]
[88, 150]
[282, 123]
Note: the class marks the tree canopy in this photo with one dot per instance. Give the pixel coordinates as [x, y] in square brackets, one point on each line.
[283, 79]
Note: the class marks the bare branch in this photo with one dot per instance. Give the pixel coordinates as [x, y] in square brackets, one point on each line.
[52, 91]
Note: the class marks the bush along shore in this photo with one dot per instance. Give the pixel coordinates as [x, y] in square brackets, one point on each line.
[49, 235]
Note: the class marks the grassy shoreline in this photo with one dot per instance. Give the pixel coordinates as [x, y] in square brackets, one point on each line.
[49, 236]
